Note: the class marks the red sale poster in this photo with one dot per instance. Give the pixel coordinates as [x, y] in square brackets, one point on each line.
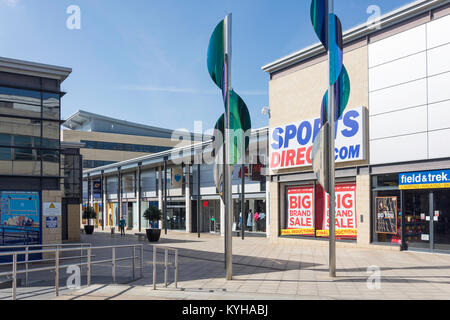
[346, 222]
[300, 211]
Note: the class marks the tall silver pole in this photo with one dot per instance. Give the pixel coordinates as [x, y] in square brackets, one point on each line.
[228, 167]
[198, 201]
[331, 175]
[165, 197]
[243, 220]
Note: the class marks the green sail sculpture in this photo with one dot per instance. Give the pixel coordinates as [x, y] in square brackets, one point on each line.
[240, 121]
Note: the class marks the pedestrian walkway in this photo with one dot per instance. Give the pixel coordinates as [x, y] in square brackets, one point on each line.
[266, 271]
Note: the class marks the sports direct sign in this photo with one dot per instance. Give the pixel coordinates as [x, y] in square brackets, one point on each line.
[291, 145]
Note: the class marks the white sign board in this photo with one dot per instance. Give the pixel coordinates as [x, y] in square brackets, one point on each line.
[52, 209]
[291, 144]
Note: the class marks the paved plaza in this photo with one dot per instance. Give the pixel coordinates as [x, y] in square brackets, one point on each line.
[262, 271]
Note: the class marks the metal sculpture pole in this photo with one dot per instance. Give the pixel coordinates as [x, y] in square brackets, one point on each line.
[235, 118]
[331, 165]
[198, 200]
[165, 197]
[329, 30]
[243, 220]
[228, 166]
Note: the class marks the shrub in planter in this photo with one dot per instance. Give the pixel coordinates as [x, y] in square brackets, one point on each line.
[88, 214]
[153, 215]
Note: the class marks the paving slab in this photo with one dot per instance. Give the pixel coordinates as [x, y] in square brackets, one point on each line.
[262, 270]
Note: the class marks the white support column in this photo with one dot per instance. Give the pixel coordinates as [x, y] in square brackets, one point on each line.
[267, 207]
[188, 199]
[160, 189]
[104, 211]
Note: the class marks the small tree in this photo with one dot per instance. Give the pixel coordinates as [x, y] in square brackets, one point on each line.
[88, 214]
[152, 214]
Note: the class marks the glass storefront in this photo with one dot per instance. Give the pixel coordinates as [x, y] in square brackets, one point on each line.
[415, 216]
[254, 219]
[112, 214]
[176, 216]
[130, 214]
[441, 212]
[211, 216]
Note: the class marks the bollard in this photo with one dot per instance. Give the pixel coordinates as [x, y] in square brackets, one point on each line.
[142, 260]
[154, 267]
[166, 256]
[176, 269]
[134, 258]
[114, 264]
[89, 267]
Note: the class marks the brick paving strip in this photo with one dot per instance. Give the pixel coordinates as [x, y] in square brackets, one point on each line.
[267, 271]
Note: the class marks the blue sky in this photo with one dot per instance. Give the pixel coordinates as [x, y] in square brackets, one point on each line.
[145, 60]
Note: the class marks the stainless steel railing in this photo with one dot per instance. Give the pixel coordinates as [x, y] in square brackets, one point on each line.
[166, 264]
[57, 251]
[25, 250]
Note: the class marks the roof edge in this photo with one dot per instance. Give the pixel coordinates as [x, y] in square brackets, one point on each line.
[34, 68]
[394, 17]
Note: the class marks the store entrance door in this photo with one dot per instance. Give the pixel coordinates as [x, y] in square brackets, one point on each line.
[427, 219]
[417, 219]
[441, 219]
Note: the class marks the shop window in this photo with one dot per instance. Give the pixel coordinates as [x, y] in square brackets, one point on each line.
[386, 216]
[254, 218]
[346, 218]
[389, 180]
[307, 211]
[299, 211]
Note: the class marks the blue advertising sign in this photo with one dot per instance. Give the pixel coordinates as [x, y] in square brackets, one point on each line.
[20, 209]
[424, 180]
[97, 189]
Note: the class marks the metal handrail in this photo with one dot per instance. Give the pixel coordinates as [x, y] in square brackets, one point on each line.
[89, 263]
[46, 245]
[166, 265]
[27, 252]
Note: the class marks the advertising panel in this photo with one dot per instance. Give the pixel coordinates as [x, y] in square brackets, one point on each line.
[346, 221]
[300, 211]
[176, 177]
[20, 210]
[386, 215]
[291, 145]
[97, 189]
